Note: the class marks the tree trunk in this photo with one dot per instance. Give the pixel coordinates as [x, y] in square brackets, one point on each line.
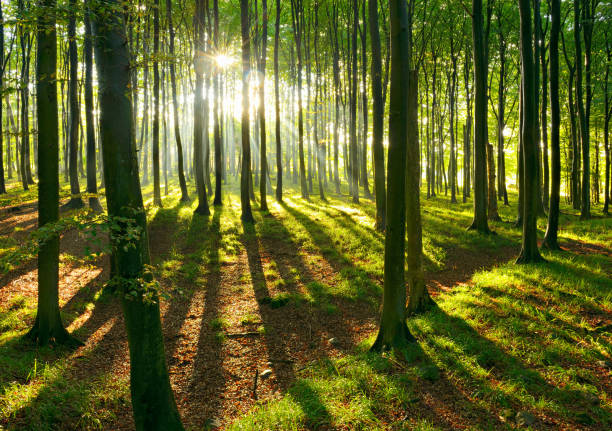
[297, 19]
[279, 163]
[247, 216]
[153, 402]
[262, 107]
[92, 186]
[216, 108]
[480, 117]
[393, 332]
[198, 111]
[418, 299]
[156, 168]
[48, 327]
[585, 204]
[378, 112]
[529, 247]
[177, 130]
[75, 190]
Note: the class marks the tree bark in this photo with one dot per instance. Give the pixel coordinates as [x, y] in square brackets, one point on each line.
[480, 117]
[48, 327]
[378, 112]
[529, 247]
[393, 332]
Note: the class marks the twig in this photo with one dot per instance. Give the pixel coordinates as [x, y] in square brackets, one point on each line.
[255, 384]
[243, 334]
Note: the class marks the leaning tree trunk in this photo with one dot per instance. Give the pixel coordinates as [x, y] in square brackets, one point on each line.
[550, 239]
[529, 247]
[480, 117]
[153, 403]
[90, 132]
[378, 112]
[393, 332]
[75, 190]
[48, 325]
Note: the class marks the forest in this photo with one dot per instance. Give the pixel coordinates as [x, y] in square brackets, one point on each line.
[305, 215]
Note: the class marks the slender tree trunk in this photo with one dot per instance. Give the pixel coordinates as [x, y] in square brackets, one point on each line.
[2, 66]
[550, 239]
[378, 112]
[75, 190]
[247, 216]
[177, 129]
[353, 106]
[585, 207]
[480, 117]
[262, 107]
[418, 299]
[364, 102]
[198, 110]
[608, 114]
[216, 108]
[529, 247]
[279, 163]
[92, 186]
[156, 167]
[298, 23]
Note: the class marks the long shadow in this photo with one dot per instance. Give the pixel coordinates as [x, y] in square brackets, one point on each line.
[433, 328]
[278, 329]
[207, 379]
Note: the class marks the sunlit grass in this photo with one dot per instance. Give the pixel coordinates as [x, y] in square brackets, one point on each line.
[514, 338]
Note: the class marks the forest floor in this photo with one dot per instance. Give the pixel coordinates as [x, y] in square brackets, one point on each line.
[269, 327]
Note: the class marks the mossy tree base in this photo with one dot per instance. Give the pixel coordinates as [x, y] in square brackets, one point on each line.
[395, 336]
[74, 204]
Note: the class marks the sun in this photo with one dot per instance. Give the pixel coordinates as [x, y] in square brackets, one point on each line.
[224, 61]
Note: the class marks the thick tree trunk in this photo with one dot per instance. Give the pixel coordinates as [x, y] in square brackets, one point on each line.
[393, 332]
[48, 327]
[153, 402]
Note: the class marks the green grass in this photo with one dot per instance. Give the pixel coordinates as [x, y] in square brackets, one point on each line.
[514, 338]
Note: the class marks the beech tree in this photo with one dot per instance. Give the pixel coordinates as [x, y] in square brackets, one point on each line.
[153, 402]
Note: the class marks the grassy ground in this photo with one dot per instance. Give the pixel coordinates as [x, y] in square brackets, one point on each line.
[506, 345]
